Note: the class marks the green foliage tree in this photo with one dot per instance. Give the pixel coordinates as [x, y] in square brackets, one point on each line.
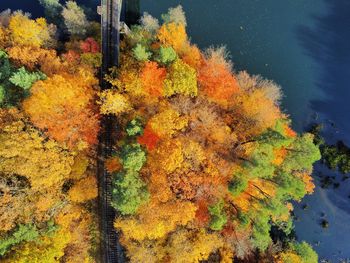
[132, 157]
[140, 35]
[336, 157]
[218, 216]
[26, 233]
[166, 55]
[24, 79]
[305, 251]
[275, 138]
[331, 156]
[290, 186]
[129, 192]
[237, 185]
[260, 162]
[10, 94]
[302, 153]
[140, 53]
[134, 127]
[2, 94]
[261, 231]
[5, 66]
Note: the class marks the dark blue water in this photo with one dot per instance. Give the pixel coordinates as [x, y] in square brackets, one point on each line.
[304, 46]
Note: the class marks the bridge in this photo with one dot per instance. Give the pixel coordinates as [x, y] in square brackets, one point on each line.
[111, 251]
[111, 12]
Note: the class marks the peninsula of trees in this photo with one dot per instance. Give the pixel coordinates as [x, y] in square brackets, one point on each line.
[205, 166]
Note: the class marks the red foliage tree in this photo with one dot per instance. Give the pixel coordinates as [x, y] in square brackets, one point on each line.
[149, 138]
[90, 45]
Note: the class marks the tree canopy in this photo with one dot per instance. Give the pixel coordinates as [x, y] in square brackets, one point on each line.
[49, 121]
[205, 160]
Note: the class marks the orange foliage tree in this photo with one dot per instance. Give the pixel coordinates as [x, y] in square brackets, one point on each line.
[68, 118]
[215, 77]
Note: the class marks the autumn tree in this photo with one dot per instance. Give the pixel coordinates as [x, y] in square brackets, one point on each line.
[24, 152]
[175, 15]
[69, 118]
[24, 31]
[113, 102]
[152, 78]
[215, 77]
[149, 23]
[192, 245]
[75, 19]
[181, 80]
[302, 253]
[84, 190]
[47, 154]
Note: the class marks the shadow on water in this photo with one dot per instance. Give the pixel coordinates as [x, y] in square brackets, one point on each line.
[328, 45]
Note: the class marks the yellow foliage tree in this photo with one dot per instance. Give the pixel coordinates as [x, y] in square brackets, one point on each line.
[260, 109]
[145, 251]
[181, 79]
[168, 156]
[24, 152]
[48, 249]
[192, 246]
[78, 222]
[27, 32]
[173, 34]
[113, 102]
[288, 257]
[168, 122]
[83, 190]
[151, 225]
[35, 57]
[3, 37]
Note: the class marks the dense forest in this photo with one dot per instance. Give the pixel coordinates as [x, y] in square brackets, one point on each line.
[49, 123]
[205, 166]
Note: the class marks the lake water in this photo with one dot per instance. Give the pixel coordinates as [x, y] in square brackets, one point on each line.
[303, 46]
